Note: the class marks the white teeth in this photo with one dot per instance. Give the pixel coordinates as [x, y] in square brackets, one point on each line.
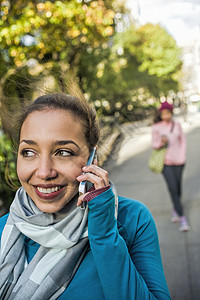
[48, 190]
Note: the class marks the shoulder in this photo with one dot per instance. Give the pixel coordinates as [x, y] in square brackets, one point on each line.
[177, 128]
[132, 208]
[135, 217]
[3, 221]
[177, 123]
[157, 125]
[128, 204]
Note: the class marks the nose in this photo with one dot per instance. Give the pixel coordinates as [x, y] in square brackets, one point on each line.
[46, 169]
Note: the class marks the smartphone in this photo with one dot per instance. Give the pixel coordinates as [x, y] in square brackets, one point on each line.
[82, 185]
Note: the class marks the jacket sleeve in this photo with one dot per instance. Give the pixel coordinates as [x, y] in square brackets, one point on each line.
[134, 273]
[156, 138]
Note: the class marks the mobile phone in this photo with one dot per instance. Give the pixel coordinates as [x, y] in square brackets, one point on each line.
[82, 185]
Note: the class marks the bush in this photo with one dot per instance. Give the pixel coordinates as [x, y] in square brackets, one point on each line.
[8, 175]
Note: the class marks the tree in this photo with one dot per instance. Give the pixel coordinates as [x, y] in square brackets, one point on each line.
[141, 63]
[160, 56]
[49, 36]
[52, 30]
[42, 38]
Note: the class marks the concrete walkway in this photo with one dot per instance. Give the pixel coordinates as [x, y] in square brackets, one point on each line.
[129, 172]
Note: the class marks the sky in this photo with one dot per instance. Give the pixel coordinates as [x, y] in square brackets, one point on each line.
[181, 18]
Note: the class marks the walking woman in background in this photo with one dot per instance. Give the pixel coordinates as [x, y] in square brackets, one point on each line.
[52, 246]
[167, 132]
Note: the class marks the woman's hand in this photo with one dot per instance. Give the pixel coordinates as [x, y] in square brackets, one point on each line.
[164, 140]
[94, 174]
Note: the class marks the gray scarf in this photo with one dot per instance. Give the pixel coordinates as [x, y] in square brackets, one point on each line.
[63, 241]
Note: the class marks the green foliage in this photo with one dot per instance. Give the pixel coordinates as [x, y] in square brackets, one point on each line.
[144, 59]
[157, 56]
[8, 176]
[52, 30]
[157, 51]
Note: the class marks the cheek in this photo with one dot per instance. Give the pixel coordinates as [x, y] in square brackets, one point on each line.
[22, 174]
[24, 170]
[73, 170]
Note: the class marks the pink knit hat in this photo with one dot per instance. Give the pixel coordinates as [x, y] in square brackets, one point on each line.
[166, 105]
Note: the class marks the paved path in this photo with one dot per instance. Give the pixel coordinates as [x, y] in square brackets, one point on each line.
[129, 171]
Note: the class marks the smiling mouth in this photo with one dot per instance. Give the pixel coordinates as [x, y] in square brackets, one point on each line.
[48, 190]
[49, 193]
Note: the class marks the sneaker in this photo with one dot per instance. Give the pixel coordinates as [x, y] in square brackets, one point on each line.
[183, 224]
[174, 217]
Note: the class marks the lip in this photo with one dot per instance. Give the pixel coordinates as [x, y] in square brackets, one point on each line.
[48, 196]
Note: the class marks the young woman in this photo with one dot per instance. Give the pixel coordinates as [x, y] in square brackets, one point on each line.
[52, 247]
[167, 132]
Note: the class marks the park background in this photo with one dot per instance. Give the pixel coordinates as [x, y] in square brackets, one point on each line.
[124, 57]
[95, 49]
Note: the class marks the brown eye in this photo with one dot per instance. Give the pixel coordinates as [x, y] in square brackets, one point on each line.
[64, 153]
[27, 153]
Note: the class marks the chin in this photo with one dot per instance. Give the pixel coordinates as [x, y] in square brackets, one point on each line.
[53, 205]
[50, 209]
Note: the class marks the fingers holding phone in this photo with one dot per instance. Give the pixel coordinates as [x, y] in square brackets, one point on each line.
[93, 174]
[96, 175]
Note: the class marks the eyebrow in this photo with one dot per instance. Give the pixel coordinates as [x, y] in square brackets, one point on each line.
[57, 143]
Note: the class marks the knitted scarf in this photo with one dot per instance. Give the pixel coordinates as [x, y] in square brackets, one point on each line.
[63, 241]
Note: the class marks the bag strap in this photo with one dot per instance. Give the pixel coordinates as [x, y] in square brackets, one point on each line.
[172, 127]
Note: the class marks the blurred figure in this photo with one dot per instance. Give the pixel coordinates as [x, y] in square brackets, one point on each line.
[168, 133]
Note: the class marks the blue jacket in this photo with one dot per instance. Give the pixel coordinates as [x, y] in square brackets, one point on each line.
[123, 261]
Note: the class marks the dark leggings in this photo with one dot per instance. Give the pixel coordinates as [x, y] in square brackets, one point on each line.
[173, 178]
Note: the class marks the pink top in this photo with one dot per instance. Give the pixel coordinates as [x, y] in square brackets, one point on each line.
[176, 150]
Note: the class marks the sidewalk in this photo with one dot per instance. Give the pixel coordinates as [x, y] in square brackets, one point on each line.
[129, 172]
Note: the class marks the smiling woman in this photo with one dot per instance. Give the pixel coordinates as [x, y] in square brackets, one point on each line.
[50, 244]
[48, 164]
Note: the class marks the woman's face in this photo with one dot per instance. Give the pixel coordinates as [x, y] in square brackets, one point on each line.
[166, 115]
[51, 153]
